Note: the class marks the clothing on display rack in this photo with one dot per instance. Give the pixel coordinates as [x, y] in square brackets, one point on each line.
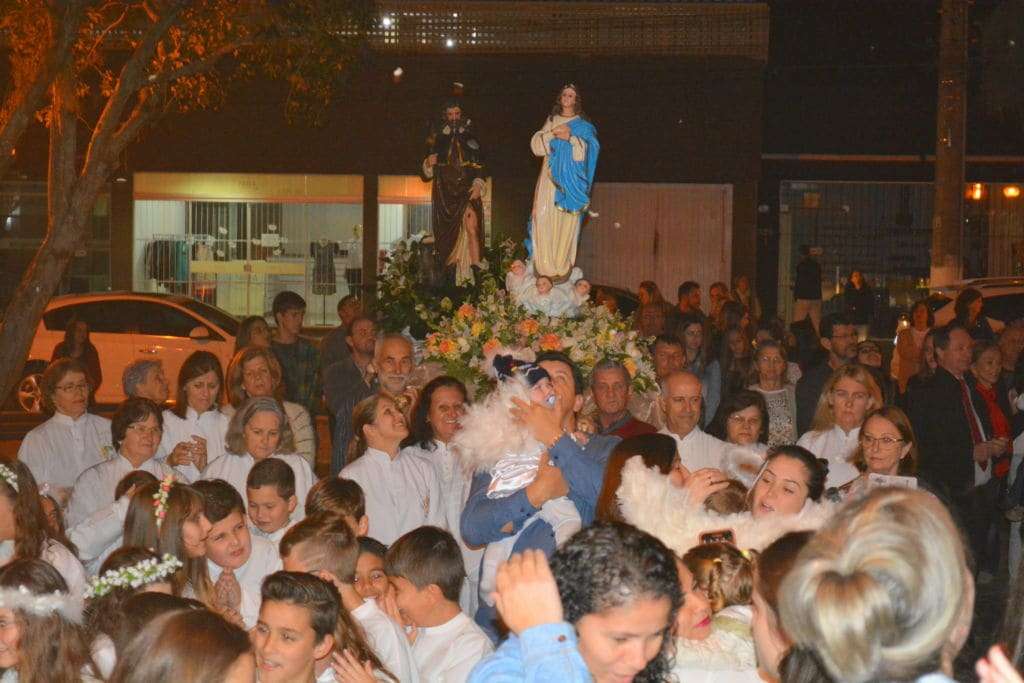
[324, 275]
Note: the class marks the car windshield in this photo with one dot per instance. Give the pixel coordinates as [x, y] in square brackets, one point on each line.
[217, 316]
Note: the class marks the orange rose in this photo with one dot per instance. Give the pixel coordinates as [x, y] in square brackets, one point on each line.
[447, 347]
[550, 342]
[528, 326]
[491, 345]
[466, 311]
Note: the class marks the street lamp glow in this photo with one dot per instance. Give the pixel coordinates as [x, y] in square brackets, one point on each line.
[1011, 191]
[449, 43]
[386, 22]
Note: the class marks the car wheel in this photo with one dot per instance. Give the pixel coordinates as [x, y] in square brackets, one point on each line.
[29, 394]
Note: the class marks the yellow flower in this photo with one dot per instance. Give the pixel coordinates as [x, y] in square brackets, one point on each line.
[630, 366]
[477, 328]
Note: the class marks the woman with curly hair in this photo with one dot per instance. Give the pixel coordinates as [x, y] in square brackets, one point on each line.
[602, 611]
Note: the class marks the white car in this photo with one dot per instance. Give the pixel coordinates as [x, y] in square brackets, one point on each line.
[1003, 297]
[126, 327]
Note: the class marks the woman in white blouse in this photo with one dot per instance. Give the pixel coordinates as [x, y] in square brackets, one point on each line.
[779, 395]
[194, 428]
[434, 422]
[71, 441]
[23, 529]
[258, 430]
[401, 488]
[255, 371]
[835, 431]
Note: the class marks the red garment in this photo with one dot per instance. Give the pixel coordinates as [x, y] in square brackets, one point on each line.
[1000, 425]
[632, 427]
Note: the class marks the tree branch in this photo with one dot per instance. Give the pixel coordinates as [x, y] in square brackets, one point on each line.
[23, 103]
[130, 80]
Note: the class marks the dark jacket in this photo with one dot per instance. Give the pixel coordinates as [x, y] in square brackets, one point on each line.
[808, 389]
[944, 441]
[808, 280]
[860, 304]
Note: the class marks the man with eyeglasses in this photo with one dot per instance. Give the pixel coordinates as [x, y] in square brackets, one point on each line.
[71, 441]
[839, 339]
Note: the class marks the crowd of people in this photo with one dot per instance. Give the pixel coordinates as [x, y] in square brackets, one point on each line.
[776, 510]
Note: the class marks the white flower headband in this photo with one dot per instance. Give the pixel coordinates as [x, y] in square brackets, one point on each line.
[8, 475]
[160, 499]
[134, 576]
[42, 605]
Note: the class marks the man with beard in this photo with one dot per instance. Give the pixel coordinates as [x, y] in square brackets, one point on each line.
[348, 382]
[454, 163]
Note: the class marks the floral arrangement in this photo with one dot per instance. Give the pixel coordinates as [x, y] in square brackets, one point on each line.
[473, 332]
[134, 576]
[160, 499]
[408, 289]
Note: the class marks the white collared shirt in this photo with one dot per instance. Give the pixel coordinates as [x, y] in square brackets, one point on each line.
[263, 561]
[698, 449]
[234, 469]
[836, 446]
[211, 425]
[401, 494]
[388, 641]
[448, 653]
[60, 449]
[274, 536]
[94, 488]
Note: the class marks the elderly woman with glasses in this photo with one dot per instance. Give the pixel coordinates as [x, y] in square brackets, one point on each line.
[71, 441]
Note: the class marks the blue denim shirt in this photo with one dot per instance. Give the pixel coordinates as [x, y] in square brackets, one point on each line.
[583, 468]
[543, 653]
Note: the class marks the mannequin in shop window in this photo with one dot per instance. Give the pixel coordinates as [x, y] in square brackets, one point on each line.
[325, 279]
[455, 164]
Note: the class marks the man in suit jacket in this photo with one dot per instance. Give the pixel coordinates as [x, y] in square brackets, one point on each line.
[955, 452]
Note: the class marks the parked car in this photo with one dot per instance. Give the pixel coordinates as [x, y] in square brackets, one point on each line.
[125, 327]
[1003, 297]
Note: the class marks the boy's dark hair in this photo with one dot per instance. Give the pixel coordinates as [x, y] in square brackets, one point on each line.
[220, 499]
[272, 472]
[372, 546]
[427, 555]
[337, 496]
[287, 301]
[308, 591]
[327, 544]
[577, 374]
[136, 478]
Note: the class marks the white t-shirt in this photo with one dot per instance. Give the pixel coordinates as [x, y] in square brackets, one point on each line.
[448, 653]
[401, 494]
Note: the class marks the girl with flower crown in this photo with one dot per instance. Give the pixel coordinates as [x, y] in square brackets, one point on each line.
[41, 634]
[23, 527]
[128, 571]
[168, 518]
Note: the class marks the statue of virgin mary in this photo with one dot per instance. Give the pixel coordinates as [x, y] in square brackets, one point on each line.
[568, 143]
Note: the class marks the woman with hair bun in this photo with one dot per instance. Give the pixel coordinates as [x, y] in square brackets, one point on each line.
[881, 593]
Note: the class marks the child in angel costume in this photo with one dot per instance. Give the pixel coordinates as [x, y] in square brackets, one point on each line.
[491, 440]
[538, 294]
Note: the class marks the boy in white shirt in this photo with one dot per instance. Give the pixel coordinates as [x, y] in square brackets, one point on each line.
[237, 562]
[425, 567]
[294, 635]
[324, 545]
[270, 490]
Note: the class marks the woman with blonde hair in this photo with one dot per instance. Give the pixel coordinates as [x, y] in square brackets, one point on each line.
[401, 488]
[881, 593]
[260, 429]
[255, 371]
[845, 400]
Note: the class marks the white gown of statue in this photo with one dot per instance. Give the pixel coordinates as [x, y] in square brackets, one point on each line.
[555, 232]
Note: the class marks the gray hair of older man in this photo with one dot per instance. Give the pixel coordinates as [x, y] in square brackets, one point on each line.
[135, 374]
[611, 364]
